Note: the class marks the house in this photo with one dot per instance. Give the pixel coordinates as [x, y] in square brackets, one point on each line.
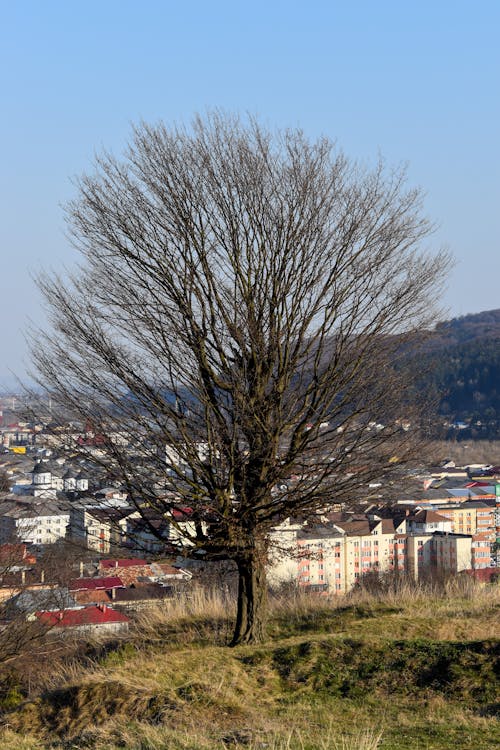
[17, 434]
[482, 544]
[282, 567]
[334, 555]
[92, 620]
[166, 572]
[141, 596]
[75, 480]
[470, 517]
[419, 555]
[128, 562]
[95, 590]
[129, 570]
[135, 571]
[46, 479]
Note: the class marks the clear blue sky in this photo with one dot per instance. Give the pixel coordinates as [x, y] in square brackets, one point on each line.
[417, 82]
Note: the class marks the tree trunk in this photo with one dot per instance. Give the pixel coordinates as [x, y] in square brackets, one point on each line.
[252, 596]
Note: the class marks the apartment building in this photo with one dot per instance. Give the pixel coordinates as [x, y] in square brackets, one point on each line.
[452, 553]
[33, 522]
[334, 556]
[481, 553]
[470, 517]
[97, 528]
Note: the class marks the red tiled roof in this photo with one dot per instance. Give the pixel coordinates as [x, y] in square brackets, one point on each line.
[69, 618]
[91, 441]
[122, 563]
[93, 597]
[166, 569]
[181, 514]
[95, 584]
[133, 573]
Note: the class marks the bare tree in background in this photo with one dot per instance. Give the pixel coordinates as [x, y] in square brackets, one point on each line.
[19, 635]
[4, 482]
[238, 317]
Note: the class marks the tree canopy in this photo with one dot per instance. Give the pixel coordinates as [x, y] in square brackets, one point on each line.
[241, 304]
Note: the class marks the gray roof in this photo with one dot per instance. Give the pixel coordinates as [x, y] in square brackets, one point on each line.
[41, 468]
[36, 509]
[51, 599]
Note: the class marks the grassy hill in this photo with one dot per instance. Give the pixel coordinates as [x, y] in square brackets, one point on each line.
[417, 668]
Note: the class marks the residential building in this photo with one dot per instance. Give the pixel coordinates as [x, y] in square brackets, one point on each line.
[96, 527]
[88, 620]
[34, 522]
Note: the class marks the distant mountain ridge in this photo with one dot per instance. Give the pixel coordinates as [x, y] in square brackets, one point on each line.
[473, 326]
[463, 355]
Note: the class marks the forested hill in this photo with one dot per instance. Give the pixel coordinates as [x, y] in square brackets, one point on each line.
[484, 325]
[464, 354]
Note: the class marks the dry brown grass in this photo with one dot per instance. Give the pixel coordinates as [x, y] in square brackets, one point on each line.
[173, 684]
[146, 736]
[360, 739]
[11, 740]
[457, 609]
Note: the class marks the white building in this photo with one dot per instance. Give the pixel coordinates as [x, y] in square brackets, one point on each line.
[33, 522]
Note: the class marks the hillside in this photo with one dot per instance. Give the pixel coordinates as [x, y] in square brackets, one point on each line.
[460, 362]
[483, 325]
[417, 669]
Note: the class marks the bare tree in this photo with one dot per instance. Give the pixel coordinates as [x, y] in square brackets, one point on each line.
[238, 318]
[19, 635]
[4, 482]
